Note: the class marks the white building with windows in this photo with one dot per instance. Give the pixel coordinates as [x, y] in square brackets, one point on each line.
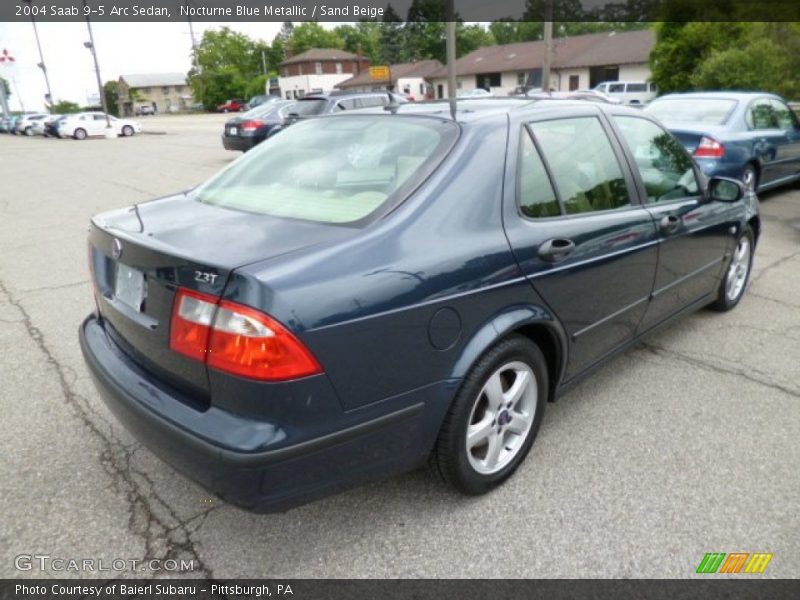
[404, 78]
[578, 62]
[318, 70]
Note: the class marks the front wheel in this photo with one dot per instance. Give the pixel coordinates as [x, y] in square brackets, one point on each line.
[494, 418]
[29, 131]
[750, 178]
[737, 275]
[127, 131]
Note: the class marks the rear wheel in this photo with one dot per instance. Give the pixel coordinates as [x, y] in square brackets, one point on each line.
[493, 420]
[737, 275]
[127, 131]
[80, 134]
[29, 131]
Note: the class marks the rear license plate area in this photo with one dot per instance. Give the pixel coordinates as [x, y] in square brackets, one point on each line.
[130, 287]
[233, 131]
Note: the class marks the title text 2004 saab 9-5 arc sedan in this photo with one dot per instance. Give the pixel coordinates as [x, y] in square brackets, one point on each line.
[368, 291]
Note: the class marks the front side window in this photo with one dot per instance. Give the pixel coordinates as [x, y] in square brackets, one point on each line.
[666, 168]
[333, 170]
[583, 164]
[784, 116]
[760, 115]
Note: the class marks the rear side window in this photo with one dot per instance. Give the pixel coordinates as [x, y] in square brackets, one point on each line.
[715, 111]
[309, 107]
[332, 170]
[536, 195]
[666, 168]
[616, 88]
[637, 87]
[583, 164]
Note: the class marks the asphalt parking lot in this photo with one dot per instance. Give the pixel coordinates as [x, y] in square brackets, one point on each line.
[685, 445]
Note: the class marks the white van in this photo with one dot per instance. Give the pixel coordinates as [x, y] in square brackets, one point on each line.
[629, 92]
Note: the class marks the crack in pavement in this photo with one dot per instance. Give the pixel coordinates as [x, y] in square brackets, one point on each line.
[50, 288]
[717, 368]
[783, 303]
[165, 536]
[773, 265]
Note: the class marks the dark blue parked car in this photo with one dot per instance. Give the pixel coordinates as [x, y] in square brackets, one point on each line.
[369, 291]
[753, 137]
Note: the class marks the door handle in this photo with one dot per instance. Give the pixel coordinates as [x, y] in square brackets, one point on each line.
[556, 249]
[670, 224]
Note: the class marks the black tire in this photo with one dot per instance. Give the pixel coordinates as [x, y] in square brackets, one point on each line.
[29, 131]
[451, 459]
[127, 131]
[728, 295]
[749, 177]
[79, 134]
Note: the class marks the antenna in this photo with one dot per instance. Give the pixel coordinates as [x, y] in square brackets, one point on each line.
[393, 106]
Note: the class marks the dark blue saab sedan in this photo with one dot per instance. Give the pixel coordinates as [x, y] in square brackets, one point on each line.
[754, 137]
[370, 291]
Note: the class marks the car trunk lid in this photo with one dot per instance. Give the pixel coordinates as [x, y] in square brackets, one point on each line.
[141, 255]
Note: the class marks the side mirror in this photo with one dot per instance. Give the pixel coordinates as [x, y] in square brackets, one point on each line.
[724, 189]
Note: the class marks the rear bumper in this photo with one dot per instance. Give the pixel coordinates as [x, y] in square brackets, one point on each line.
[265, 480]
[242, 144]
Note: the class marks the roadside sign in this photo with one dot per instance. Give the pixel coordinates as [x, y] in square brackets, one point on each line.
[379, 73]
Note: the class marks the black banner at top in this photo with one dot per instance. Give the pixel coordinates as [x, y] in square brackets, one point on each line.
[410, 10]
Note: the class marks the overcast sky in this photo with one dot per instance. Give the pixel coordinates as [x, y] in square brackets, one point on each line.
[121, 48]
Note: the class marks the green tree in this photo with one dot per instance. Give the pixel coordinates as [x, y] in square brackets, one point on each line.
[760, 61]
[364, 36]
[681, 48]
[392, 47]
[111, 91]
[312, 35]
[227, 61]
[511, 32]
[65, 107]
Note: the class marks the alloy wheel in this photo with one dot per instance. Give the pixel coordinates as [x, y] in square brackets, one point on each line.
[738, 269]
[501, 417]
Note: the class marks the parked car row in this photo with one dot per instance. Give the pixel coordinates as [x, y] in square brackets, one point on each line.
[273, 115]
[77, 125]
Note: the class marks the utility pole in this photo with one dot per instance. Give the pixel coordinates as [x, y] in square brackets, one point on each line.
[90, 46]
[191, 34]
[548, 45]
[451, 49]
[3, 99]
[41, 65]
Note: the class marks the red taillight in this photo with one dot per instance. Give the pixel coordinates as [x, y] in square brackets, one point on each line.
[251, 125]
[709, 148]
[237, 339]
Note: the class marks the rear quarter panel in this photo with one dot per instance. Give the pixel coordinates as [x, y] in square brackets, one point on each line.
[396, 308]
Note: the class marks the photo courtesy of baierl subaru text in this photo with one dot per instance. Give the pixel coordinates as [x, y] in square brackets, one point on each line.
[432, 299]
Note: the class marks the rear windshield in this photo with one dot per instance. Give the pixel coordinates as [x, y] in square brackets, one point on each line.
[309, 107]
[331, 170]
[714, 111]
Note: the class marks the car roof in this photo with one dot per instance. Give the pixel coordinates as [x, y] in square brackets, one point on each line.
[474, 109]
[744, 96]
